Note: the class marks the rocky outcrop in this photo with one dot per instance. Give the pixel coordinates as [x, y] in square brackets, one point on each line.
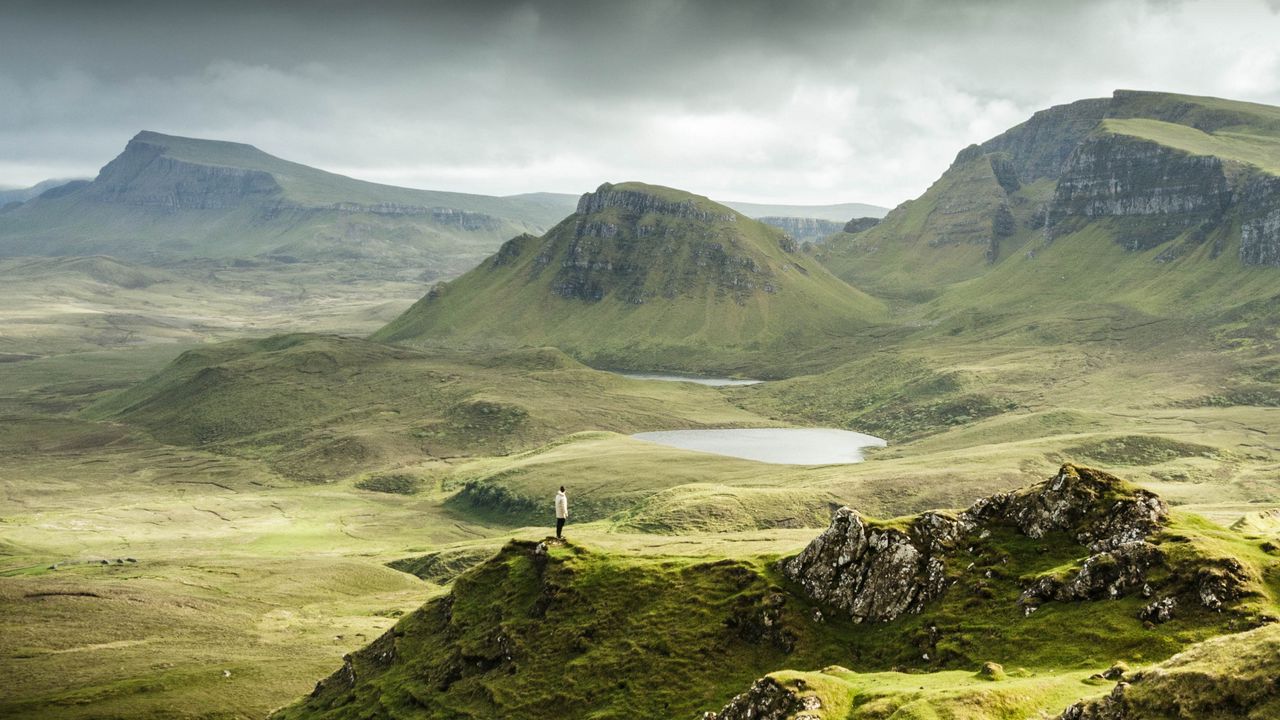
[877, 573]
[634, 202]
[1259, 199]
[622, 240]
[1116, 176]
[1039, 147]
[1105, 575]
[767, 699]
[871, 573]
[860, 224]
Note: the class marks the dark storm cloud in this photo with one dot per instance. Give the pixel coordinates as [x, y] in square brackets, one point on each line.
[745, 99]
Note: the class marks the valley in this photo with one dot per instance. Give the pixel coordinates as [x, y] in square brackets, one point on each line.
[274, 476]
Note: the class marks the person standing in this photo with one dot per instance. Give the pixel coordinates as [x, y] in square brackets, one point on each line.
[562, 510]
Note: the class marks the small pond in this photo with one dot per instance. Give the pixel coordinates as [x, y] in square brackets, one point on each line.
[783, 446]
[712, 381]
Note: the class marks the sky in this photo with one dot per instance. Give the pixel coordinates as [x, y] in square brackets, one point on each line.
[806, 102]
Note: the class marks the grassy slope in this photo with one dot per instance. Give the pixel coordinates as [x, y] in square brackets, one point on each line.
[1239, 145]
[55, 306]
[937, 239]
[1223, 679]
[319, 408]
[702, 327]
[582, 635]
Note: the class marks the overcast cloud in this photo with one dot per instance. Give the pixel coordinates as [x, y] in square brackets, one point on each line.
[803, 102]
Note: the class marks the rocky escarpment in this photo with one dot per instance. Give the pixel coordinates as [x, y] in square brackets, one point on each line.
[873, 572]
[1259, 202]
[1165, 190]
[803, 229]
[767, 699]
[144, 175]
[1039, 147]
[860, 224]
[621, 241]
[636, 202]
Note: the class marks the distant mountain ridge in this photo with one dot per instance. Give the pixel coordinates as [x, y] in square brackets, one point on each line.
[167, 197]
[13, 196]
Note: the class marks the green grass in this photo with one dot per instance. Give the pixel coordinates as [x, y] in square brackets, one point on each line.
[598, 634]
[1259, 150]
[323, 407]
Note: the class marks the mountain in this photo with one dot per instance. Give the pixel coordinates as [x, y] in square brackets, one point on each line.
[1141, 189]
[646, 277]
[173, 198]
[1057, 580]
[16, 196]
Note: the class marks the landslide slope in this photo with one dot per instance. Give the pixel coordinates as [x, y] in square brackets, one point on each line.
[646, 277]
[172, 198]
[1149, 198]
[546, 628]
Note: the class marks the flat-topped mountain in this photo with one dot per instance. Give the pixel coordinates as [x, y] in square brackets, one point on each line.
[1186, 187]
[168, 197]
[641, 276]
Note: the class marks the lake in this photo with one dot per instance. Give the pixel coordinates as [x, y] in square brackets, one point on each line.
[712, 381]
[783, 446]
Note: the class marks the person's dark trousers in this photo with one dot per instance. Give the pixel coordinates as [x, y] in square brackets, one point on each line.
[559, 526]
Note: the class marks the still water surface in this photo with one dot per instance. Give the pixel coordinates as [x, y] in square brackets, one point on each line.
[712, 381]
[784, 446]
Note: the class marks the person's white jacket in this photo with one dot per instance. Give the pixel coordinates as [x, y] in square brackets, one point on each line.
[562, 506]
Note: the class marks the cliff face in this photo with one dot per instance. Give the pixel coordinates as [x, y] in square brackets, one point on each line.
[1166, 190]
[1185, 176]
[877, 573]
[1156, 193]
[804, 229]
[1259, 203]
[637, 203]
[1039, 147]
[639, 246]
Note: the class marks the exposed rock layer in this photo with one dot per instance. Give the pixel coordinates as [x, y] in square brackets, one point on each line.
[878, 573]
